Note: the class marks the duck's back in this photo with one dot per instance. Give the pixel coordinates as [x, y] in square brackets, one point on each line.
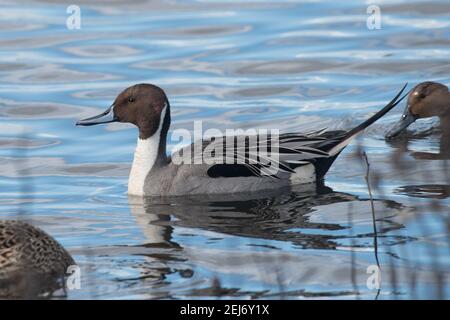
[27, 252]
[297, 159]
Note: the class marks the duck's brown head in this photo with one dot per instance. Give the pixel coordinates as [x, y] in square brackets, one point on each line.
[427, 99]
[144, 105]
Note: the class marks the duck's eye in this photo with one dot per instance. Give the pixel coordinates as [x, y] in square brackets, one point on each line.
[420, 95]
[130, 99]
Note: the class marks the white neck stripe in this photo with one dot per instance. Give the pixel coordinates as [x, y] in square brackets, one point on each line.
[145, 157]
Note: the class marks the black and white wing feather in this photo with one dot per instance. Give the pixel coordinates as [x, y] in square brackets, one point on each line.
[260, 155]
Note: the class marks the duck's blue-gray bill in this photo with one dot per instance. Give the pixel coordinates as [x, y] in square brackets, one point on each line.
[105, 117]
[406, 119]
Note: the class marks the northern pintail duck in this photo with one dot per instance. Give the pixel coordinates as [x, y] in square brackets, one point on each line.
[31, 261]
[427, 99]
[301, 157]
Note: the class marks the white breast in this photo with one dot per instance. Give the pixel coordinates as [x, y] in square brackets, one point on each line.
[144, 158]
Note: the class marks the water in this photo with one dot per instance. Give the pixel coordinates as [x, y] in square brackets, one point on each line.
[287, 65]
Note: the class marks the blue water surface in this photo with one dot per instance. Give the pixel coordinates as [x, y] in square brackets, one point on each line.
[290, 65]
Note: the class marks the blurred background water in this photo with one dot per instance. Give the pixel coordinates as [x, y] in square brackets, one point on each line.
[233, 64]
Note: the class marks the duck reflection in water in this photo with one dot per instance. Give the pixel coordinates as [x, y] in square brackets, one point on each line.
[271, 215]
[257, 229]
